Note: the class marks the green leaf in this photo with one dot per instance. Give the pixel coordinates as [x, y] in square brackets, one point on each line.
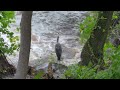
[6, 18]
[39, 75]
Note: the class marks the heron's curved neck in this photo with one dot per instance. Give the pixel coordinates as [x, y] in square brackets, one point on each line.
[57, 39]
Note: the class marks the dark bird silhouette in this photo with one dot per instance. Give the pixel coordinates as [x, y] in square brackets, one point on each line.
[58, 49]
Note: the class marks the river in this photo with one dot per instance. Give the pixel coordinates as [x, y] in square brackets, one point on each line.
[46, 26]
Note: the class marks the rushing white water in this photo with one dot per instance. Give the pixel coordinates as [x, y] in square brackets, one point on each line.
[46, 26]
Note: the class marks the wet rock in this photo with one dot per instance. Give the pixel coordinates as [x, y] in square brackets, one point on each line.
[57, 69]
[42, 67]
[31, 70]
[68, 62]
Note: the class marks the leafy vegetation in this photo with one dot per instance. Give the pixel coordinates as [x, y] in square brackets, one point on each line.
[112, 67]
[39, 75]
[111, 54]
[111, 57]
[87, 26]
[9, 46]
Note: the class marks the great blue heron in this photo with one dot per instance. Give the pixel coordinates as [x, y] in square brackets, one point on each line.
[58, 49]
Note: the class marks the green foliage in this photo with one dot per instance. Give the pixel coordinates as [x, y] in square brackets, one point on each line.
[111, 71]
[39, 75]
[115, 26]
[114, 57]
[79, 72]
[111, 56]
[85, 72]
[6, 18]
[87, 26]
[115, 15]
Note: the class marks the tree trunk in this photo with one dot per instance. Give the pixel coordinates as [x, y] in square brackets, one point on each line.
[25, 43]
[93, 49]
[5, 67]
